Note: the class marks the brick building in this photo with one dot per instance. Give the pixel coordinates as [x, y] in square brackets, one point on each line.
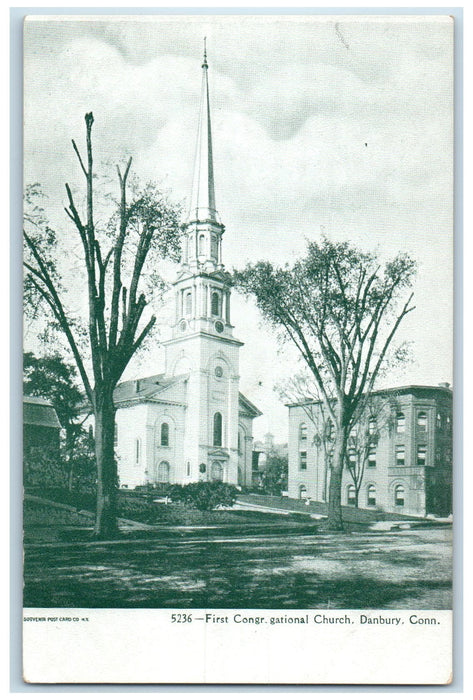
[403, 444]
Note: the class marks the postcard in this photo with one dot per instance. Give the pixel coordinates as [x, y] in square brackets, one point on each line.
[238, 286]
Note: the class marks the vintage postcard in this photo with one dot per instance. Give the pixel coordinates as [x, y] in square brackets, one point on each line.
[238, 284]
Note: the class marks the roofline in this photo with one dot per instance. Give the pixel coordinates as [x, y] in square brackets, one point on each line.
[379, 392]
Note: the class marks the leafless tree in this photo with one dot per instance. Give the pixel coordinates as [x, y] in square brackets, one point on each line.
[114, 264]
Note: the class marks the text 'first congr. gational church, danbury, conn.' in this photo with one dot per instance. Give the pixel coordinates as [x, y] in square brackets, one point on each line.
[191, 423]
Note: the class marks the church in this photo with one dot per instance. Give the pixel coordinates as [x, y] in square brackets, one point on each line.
[191, 423]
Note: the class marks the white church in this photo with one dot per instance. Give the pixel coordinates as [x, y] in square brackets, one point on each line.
[191, 423]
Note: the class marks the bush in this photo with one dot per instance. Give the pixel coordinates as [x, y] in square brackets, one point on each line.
[205, 495]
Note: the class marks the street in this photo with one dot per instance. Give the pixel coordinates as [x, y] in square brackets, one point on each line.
[409, 569]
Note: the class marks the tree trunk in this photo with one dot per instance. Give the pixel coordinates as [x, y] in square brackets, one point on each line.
[106, 516]
[335, 521]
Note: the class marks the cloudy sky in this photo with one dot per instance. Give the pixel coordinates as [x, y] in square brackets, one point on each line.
[336, 125]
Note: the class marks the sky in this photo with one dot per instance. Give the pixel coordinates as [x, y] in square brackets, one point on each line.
[338, 126]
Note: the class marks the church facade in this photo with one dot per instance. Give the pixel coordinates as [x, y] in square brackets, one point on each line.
[191, 423]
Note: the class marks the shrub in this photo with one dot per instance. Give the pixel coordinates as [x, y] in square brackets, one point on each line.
[205, 495]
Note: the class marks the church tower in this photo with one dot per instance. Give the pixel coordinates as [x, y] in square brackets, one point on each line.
[202, 344]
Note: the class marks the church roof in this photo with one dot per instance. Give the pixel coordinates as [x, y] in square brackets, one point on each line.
[248, 407]
[145, 388]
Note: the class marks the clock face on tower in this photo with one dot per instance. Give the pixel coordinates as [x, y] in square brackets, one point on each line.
[219, 327]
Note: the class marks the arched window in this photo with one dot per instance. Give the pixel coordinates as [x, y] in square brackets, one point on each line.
[163, 473]
[303, 432]
[216, 472]
[201, 244]
[400, 423]
[215, 304]
[422, 421]
[217, 430]
[399, 495]
[188, 307]
[302, 492]
[164, 435]
[371, 495]
[351, 495]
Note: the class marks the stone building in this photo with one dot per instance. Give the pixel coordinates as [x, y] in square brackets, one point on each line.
[405, 442]
[191, 422]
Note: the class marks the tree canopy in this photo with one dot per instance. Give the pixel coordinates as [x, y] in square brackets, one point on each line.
[341, 308]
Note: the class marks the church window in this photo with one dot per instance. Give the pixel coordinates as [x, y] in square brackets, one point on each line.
[303, 460]
[216, 472]
[163, 473]
[399, 495]
[165, 435]
[137, 450]
[372, 426]
[215, 304]
[352, 458]
[400, 423]
[371, 496]
[214, 247]
[202, 468]
[351, 495]
[202, 244]
[302, 492]
[218, 371]
[188, 469]
[188, 307]
[217, 430]
[302, 432]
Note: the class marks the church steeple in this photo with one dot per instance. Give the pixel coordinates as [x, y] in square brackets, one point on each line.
[203, 241]
[202, 206]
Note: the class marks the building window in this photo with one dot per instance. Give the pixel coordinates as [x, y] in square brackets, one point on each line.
[372, 426]
[215, 304]
[137, 450]
[351, 495]
[372, 457]
[439, 420]
[400, 423]
[115, 435]
[217, 430]
[164, 435]
[303, 432]
[351, 457]
[216, 473]
[400, 455]
[303, 460]
[188, 469]
[421, 455]
[163, 473]
[371, 496]
[188, 306]
[202, 244]
[91, 433]
[202, 468]
[422, 421]
[302, 492]
[399, 495]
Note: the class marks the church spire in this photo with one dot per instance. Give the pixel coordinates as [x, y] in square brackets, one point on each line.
[202, 206]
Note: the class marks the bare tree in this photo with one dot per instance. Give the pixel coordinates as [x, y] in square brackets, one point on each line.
[339, 308]
[115, 328]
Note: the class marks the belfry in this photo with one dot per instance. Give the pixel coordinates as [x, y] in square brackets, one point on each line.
[191, 422]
